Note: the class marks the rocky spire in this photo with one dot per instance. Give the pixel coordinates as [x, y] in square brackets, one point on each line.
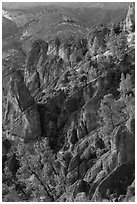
[23, 102]
[130, 18]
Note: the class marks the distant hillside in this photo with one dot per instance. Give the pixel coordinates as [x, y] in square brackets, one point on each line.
[50, 19]
[23, 5]
[8, 28]
[53, 21]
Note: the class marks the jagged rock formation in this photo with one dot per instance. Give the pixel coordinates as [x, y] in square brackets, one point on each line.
[113, 181]
[59, 97]
[130, 19]
[23, 103]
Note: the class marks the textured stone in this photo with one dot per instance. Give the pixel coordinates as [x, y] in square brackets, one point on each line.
[89, 153]
[72, 176]
[13, 164]
[73, 136]
[82, 169]
[67, 158]
[74, 162]
[82, 186]
[118, 180]
[95, 169]
[92, 173]
[130, 18]
[80, 133]
[89, 112]
[6, 145]
[81, 197]
[125, 145]
[102, 174]
[82, 146]
[72, 103]
[23, 102]
[130, 192]
[90, 163]
[20, 92]
[99, 143]
[32, 126]
[60, 99]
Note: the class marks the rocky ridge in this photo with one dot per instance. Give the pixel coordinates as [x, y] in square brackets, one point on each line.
[58, 96]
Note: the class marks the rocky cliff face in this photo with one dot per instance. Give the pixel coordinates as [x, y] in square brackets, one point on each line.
[59, 97]
[130, 18]
[25, 108]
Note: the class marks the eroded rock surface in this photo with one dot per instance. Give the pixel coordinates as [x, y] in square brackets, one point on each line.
[58, 96]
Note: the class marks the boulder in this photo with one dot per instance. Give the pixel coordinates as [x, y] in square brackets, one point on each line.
[102, 174]
[131, 125]
[81, 197]
[99, 143]
[72, 176]
[130, 192]
[67, 158]
[33, 82]
[83, 144]
[82, 169]
[6, 145]
[75, 161]
[117, 181]
[13, 164]
[111, 163]
[100, 177]
[90, 163]
[82, 186]
[83, 128]
[73, 136]
[95, 169]
[125, 145]
[80, 133]
[4, 159]
[89, 153]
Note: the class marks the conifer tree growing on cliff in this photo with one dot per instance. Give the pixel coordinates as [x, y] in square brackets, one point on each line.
[116, 112]
[112, 114]
[117, 44]
[127, 92]
[36, 171]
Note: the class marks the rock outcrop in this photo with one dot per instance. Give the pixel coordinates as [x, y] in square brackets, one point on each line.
[115, 182]
[130, 19]
[59, 97]
[24, 104]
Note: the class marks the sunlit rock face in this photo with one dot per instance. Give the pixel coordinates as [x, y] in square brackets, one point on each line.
[23, 104]
[63, 54]
[130, 18]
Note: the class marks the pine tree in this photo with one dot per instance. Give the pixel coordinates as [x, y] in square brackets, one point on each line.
[32, 172]
[127, 92]
[125, 84]
[117, 44]
[111, 112]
